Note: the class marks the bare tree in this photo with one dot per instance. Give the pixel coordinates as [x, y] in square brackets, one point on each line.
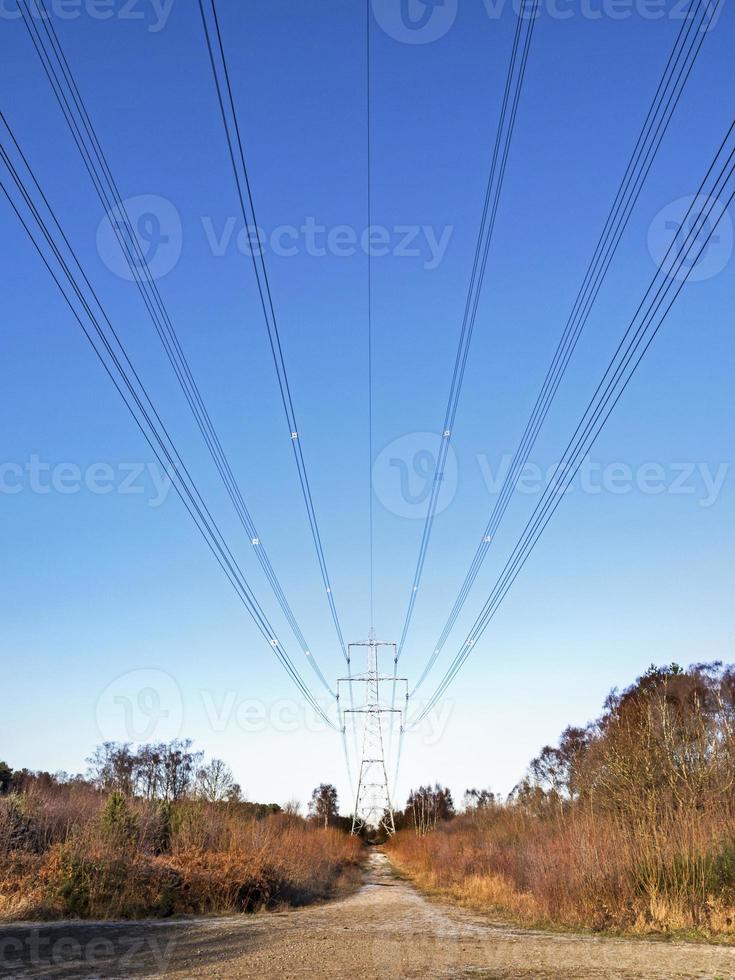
[179, 765]
[149, 773]
[215, 782]
[323, 804]
[112, 767]
[478, 799]
[428, 805]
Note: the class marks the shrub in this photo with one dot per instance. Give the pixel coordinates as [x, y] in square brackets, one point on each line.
[119, 825]
[131, 858]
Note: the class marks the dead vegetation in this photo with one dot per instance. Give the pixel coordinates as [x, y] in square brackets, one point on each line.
[72, 849]
[627, 825]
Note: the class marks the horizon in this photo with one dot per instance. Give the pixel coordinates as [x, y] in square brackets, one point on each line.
[345, 806]
[117, 620]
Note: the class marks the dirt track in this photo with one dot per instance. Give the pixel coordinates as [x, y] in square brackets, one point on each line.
[385, 930]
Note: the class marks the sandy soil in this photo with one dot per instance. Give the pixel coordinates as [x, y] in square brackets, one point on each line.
[387, 929]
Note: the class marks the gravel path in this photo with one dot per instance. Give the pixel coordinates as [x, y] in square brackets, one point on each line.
[385, 930]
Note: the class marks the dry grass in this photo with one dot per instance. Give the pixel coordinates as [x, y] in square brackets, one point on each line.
[588, 873]
[628, 825]
[77, 853]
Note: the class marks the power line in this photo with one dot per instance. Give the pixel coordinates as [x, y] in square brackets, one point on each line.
[515, 75]
[368, 8]
[97, 165]
[666, 99]
[225, 99]
[392, 715]
[111, 352]
[399, 752]
[526, 19]
[568, 470]
[674, 269]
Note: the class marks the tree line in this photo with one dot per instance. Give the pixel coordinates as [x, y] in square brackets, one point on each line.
[167, 772]
[627, 822]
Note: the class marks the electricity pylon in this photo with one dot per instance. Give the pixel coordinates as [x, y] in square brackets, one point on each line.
[373, 807]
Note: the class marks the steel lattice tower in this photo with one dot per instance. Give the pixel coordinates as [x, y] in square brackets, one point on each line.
[373, 807]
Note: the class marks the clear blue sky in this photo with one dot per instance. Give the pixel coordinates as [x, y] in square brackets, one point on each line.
[98, 585]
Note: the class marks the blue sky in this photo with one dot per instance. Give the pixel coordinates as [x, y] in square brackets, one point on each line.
[101, 586]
